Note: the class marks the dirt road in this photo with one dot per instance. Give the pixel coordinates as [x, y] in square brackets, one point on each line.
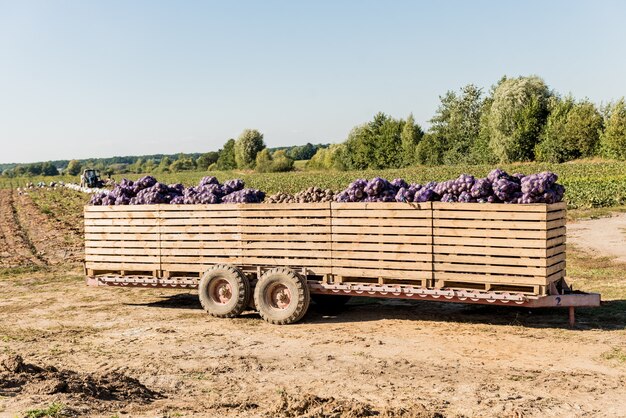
[150, 352]
[604, 237]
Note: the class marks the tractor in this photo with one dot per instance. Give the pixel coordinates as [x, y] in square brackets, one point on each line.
[91, 178]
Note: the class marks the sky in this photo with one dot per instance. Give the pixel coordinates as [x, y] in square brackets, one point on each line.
[81, 79]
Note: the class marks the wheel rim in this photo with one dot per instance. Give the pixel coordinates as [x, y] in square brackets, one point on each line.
[278, 296]
[221, 291]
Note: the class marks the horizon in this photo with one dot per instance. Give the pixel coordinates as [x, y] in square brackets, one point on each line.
[151, 78]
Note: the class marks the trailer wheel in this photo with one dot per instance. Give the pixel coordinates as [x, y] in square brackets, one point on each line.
[282, 296]
[224, 291]
[329, 303]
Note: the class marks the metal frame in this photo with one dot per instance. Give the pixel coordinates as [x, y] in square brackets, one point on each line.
[564, 299]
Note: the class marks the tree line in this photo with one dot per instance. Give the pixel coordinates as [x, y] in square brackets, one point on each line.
[519, 119]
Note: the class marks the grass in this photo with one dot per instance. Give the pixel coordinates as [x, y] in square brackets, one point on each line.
[616, 354]
[589, 184]
[55, 410]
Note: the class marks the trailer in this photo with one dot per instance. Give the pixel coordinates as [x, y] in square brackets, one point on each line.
[277, 257]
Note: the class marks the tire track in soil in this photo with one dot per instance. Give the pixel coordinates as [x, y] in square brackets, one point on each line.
[51, 240]
[16, 248]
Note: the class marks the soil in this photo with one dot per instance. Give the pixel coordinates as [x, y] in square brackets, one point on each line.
[602, 237]
[156, 353]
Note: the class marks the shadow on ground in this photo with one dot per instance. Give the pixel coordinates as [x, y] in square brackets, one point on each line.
[610, 316]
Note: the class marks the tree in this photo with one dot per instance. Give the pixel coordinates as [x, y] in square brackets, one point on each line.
[328, 158]
[613, 139]
[226, 159]
[410, 137]
[164, 165]
[430, 150]
[247, 146]
[572, 131]
[149, 166]
[377, 144]
[137, 166]
[267, 162]
[517, 115]
[456, 124]
[205, 160]
[49, 169]
[74, 167]
[183, 164]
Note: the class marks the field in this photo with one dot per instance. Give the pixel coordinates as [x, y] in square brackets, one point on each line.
[150, 352]
[589, 184]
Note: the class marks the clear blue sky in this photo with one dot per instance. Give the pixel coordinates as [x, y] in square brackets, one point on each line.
[85, 79]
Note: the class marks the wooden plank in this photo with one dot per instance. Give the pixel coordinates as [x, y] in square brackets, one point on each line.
[122, 244]
[94, 265]
[555, 259]
[399, 248]
[207, 252]
[487, 268]
[122, 251]
[200, 214]
[385, 223]
[557, 206]
[245, 229]
[555, 268]
[489, 215]
[388, 239]
[276, 213]
[381, 230]
[172, 259]
[381, 205]
[492, 278]
[381, 213]
[206, 236]
[556, 232]
[511, 225]
[489, 207]
[121, 222]
[122, 258]
[385, 273]
[121, 215]
[201, 268]
[559, 214]
[191, 229]
[122, 208]
[502, 251]
[555, 250]
[208, 222]
[271, 207]
[398, 265]
[472, 259]
[488, 233]
[120, 237]
[386, 256]
[492, 242]
[119, 229]
[284, 237]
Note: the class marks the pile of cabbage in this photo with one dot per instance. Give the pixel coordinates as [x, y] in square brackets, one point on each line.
[147, 191]
[497, 187]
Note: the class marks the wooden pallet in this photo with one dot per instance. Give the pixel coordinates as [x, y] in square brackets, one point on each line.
[498, 246]
[456, 245]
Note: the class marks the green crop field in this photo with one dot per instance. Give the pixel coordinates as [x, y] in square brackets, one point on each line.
[588, 184]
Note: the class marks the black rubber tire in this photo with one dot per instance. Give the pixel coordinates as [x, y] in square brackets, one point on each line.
[329, 303]
[239, 284]
[298, 288]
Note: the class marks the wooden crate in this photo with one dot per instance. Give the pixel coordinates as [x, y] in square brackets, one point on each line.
[292, 235]
[498, 247]
[459, 245]
[122, 239]
[387, 242]
[196, 236]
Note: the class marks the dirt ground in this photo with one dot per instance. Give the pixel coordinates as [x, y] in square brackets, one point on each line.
[601, 237]
[72, 350]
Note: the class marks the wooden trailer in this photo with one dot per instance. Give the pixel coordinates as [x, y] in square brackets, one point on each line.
[278, 255]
